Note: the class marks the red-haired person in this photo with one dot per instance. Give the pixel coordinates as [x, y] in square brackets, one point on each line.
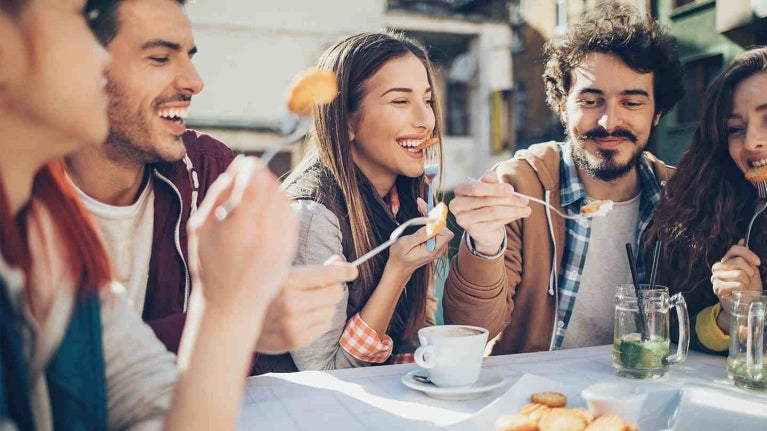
[74, 353]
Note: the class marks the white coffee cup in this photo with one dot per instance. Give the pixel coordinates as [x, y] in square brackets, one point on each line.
[451, 353]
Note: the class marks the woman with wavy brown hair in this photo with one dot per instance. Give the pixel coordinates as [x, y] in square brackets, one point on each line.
[363, 180]
[708, 204]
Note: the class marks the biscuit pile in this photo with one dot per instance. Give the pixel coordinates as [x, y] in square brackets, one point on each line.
[547, 412]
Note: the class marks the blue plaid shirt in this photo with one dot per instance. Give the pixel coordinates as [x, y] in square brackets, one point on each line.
[572, 197]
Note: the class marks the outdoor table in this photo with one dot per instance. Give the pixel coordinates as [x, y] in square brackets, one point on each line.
[374, 398]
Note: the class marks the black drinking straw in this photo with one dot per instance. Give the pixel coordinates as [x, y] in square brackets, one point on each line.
[640, 302]
[654, 270]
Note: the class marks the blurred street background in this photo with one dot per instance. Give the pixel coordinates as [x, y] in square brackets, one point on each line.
[487, 54]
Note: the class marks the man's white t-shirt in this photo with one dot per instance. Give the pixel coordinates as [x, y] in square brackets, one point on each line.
[127, 232]
[606, 266]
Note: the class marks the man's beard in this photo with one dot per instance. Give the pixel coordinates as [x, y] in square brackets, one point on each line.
[130, 139]
[603, 165]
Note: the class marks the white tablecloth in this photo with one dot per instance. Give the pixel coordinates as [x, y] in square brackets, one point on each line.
[374, 398]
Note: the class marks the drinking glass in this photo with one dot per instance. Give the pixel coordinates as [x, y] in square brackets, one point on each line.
[641, 345]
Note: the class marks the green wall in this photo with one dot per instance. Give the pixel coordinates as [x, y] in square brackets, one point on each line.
[694, 26]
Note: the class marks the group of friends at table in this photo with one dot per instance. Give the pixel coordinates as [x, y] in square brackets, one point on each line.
[127, 304]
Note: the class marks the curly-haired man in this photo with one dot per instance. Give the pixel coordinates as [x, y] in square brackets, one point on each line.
[534, 279]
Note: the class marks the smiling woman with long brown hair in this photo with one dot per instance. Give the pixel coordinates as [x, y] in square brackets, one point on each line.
[363, 180]
[708, 203]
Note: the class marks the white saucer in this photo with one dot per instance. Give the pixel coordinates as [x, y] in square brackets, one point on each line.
[488, 380]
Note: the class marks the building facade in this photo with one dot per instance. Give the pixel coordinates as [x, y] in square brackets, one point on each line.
[710, 34]
[249, 52]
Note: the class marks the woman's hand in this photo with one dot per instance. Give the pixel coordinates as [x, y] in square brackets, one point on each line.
[239, 263]
[409, 252]
[737, 270]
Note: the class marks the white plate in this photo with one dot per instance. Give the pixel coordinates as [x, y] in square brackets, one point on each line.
[488, 381]
[660, 410]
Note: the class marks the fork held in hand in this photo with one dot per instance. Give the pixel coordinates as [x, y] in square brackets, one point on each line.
[761, 205]
[301, 129]
[431, 160]
[396, 233]
[579, 217]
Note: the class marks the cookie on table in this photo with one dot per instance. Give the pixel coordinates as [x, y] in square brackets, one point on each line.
[561, 419]
[515, 423]
[534, 411]
[549, 399]
[609, 423]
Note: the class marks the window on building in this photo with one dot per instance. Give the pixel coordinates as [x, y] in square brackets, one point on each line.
[680, 3]
[457, 109]
[561, 11]
[698, 74]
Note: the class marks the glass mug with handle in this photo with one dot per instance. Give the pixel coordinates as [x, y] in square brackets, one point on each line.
[747, 359]
[641, 345]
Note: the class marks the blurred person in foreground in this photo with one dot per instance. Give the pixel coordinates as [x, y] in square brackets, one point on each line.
[538, 281]
[148, 178]
[707, 205]
[74, 353]
[364, 179]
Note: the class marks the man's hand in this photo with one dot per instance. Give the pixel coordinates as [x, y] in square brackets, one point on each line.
[483, 208]
[304, 307]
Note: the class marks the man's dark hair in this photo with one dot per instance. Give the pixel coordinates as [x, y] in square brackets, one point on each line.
[12, 7]
[620, 30]
[103, 18]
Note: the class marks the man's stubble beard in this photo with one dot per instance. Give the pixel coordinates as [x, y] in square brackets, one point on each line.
[130, 140]
[603, 165]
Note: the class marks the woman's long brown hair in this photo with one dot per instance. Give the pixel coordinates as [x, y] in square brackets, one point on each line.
[708, 202]
[354, 61]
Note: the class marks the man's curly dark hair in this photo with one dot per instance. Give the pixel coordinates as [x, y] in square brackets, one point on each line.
[620, 30]
[103, 18]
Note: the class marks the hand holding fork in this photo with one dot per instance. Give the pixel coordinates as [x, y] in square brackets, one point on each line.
[313, 87]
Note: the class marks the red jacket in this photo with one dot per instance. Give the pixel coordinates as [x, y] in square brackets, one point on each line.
[169, 280]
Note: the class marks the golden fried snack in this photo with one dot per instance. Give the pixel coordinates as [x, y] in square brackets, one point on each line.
[608, 423]
[561, 419]
[590, 208]
[309, 88]
[586, 415]
[534, 411]
[437, 219]
[427, 143]
[550, 399]
[514, 423]
[757, 174]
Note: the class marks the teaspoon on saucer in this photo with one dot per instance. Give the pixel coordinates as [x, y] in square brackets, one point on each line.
[422, 379]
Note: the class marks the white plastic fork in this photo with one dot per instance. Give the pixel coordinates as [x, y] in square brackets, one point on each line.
[396, 233]
[579, 217]
[761, 205]
[301, 129]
